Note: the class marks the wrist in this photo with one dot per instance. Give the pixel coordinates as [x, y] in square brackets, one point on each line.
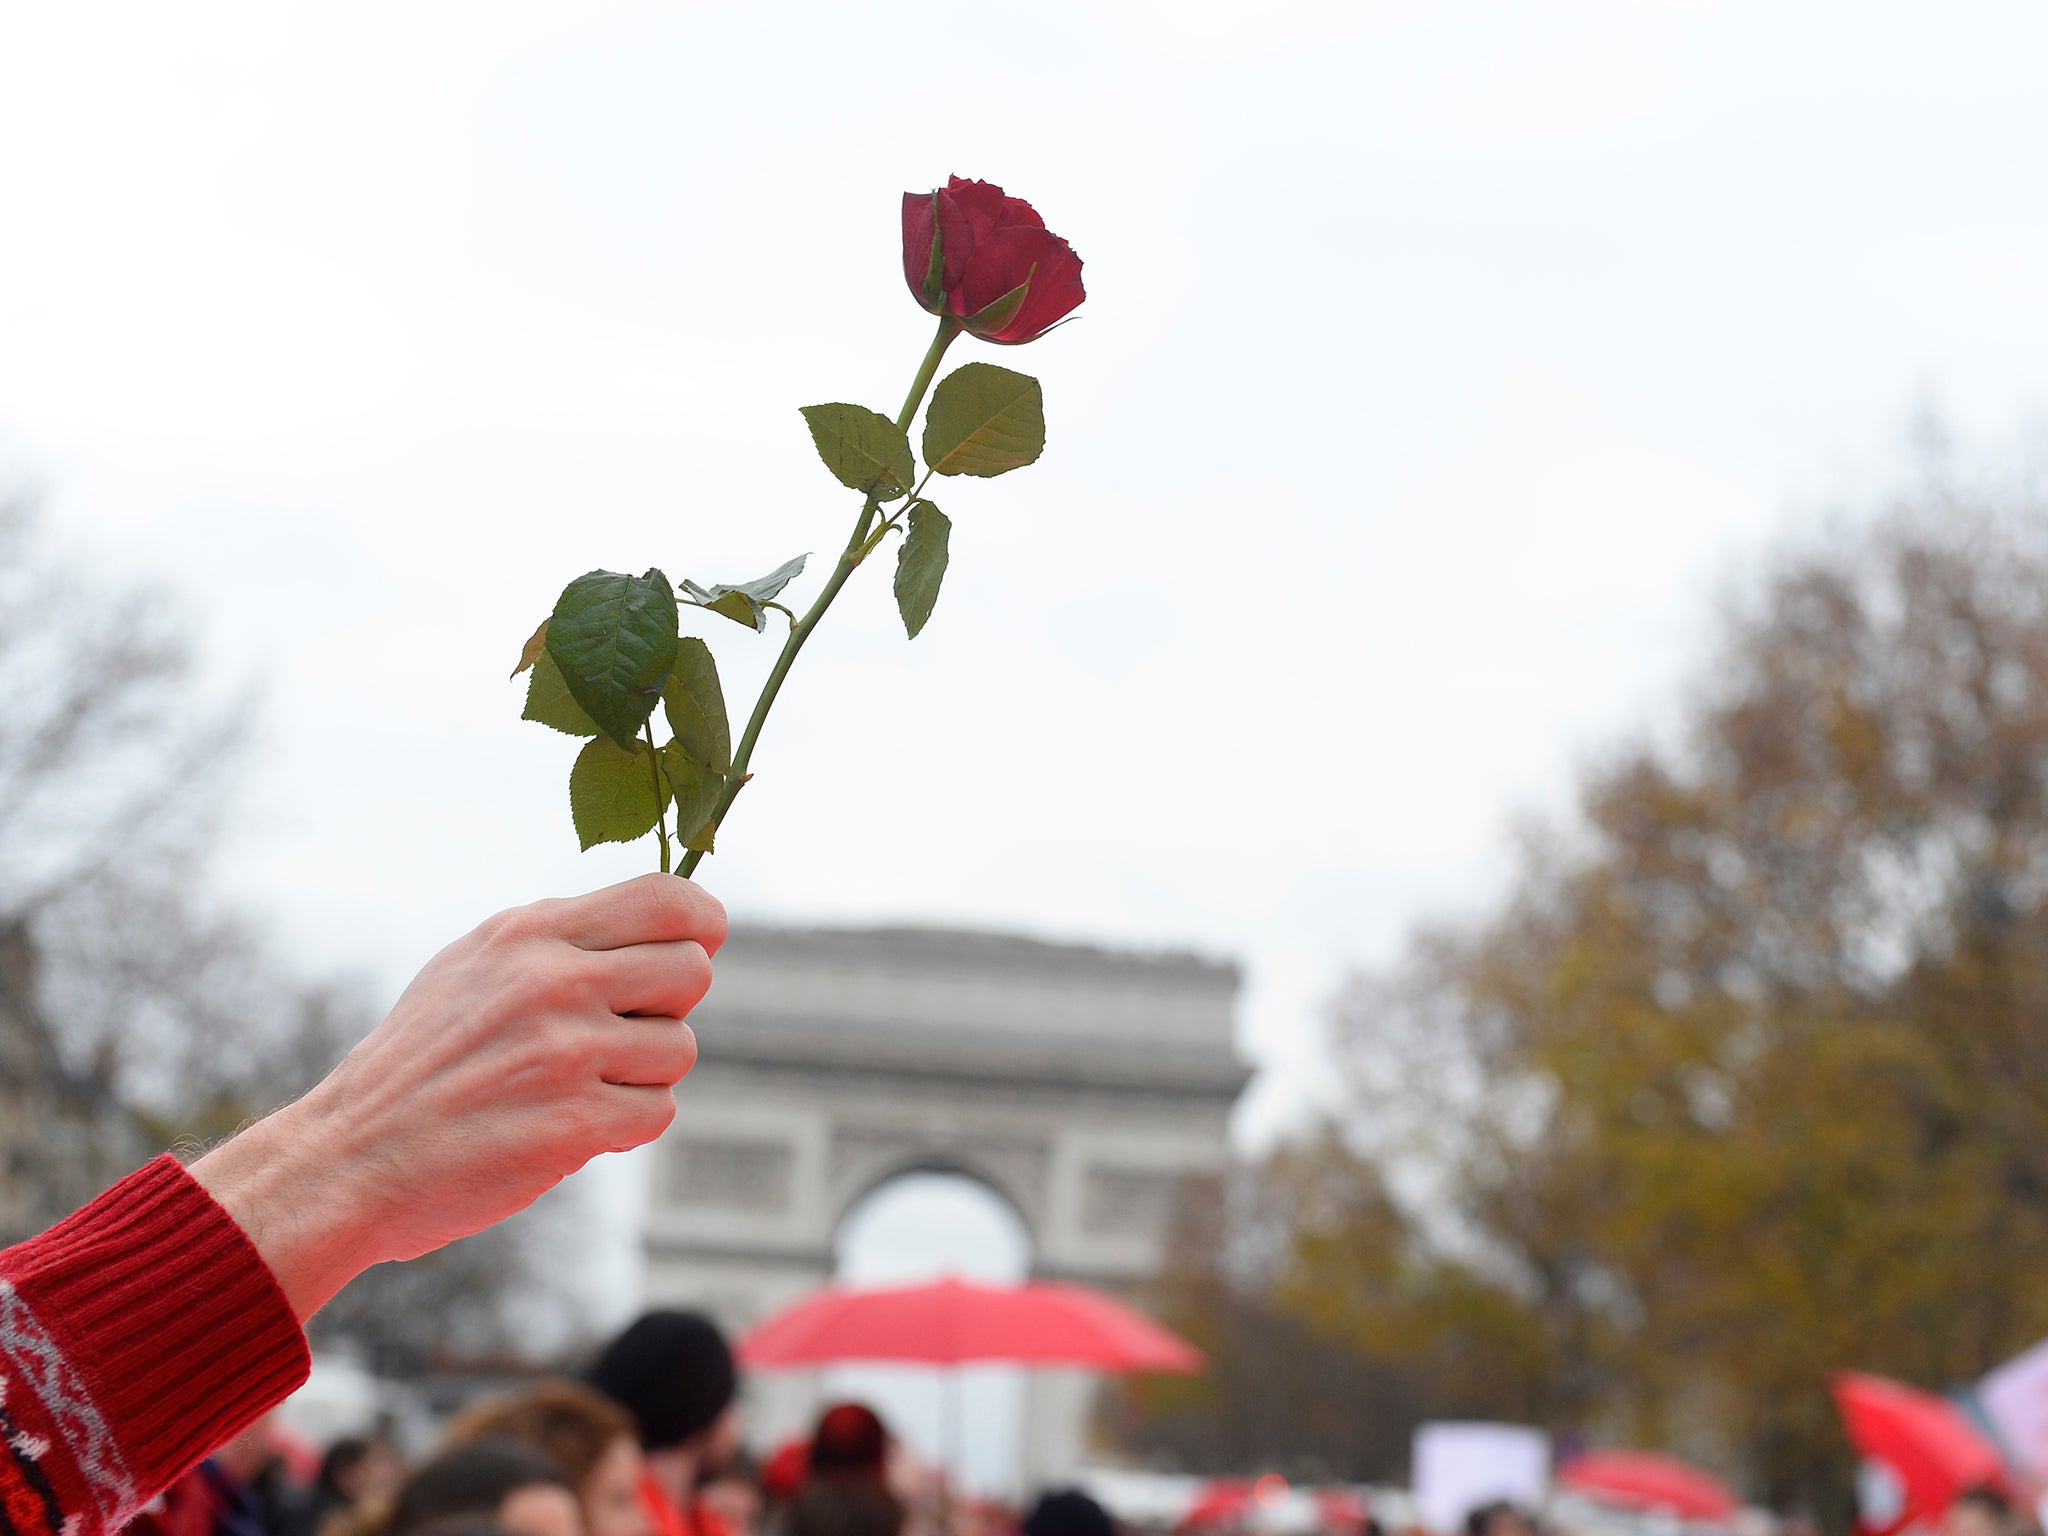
[290, 1187]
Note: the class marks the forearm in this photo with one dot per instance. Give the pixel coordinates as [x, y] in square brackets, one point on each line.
[291, 1187]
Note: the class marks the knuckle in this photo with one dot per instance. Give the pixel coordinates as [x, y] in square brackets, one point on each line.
[579, 981]
[714, 923]
[676, 1053]
[540, 993]
[565, 1049]
[681, 909]
[657, 899]
[693, 971]
[491, 931]
[513, 926]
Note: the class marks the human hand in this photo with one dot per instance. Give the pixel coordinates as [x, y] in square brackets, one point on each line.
[550, 1034]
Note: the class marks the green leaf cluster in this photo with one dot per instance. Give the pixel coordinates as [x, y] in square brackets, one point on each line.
[613, 648]
[983, 421]
[609, 654]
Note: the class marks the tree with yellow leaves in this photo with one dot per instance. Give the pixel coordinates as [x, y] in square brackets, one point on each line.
[1747, 1079]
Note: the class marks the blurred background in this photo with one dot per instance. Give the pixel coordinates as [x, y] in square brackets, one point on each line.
[1532, 600]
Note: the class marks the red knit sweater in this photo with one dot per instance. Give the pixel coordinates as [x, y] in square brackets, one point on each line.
[135, 1336]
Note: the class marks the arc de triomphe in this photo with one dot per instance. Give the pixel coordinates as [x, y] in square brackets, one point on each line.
[1081, 1085]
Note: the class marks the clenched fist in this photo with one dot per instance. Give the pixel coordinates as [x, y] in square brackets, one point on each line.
[552, 1033]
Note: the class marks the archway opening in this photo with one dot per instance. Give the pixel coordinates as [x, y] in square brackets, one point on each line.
[920, 1226]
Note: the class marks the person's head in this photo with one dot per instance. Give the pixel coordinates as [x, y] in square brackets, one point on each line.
[1982, 1511]
[358, 1470]
[850, 1439]
[1068, 1512]
[1500, 1518]
[836, 1505]
[733, 1493]
[505, 1482]
[584, 1433]
[674, 1373]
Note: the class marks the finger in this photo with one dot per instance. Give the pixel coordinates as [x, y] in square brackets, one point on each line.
[668, 979]
[634, 1116]
[653, 909]
[639, 1053]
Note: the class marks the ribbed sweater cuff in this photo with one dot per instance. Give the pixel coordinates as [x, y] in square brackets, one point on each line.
[176, 1330]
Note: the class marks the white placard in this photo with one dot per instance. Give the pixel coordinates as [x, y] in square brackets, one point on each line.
[1459, 1467]
[2015, 1399]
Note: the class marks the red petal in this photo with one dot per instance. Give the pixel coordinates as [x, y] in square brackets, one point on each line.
[956, 235]
[1016, 212]
[1001, 262]
[1056, 292]
[918, 223]
[983, 200]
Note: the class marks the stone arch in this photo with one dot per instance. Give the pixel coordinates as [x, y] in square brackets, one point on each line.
[1083, 1086]
[994, 1217]
[1014, 1176]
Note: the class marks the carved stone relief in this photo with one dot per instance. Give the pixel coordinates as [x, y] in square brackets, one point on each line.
[1128, 1202]
[863, 1156]
[730, 1174]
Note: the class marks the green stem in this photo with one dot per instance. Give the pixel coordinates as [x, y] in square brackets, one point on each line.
[948, 329]
[849, 561]
[661, 810]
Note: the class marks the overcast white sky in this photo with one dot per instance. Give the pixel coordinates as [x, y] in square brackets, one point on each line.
[1441, 360]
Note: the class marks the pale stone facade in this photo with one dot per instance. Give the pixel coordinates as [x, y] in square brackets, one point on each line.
[1083, 1086]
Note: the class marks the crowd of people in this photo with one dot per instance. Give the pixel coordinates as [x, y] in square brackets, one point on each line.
[647, 1443]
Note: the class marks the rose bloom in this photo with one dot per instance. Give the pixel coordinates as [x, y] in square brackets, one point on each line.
[972, 251]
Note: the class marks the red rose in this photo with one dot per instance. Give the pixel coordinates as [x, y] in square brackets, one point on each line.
[972, 252]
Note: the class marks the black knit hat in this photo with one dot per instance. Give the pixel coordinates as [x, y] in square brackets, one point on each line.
[673, 1371]
[1068, 1512]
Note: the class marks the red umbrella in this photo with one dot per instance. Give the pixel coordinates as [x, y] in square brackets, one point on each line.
[1928, 1442]
[1220, 1501]
[1342, 1509]
[1649, 1480]
[951, 1321]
